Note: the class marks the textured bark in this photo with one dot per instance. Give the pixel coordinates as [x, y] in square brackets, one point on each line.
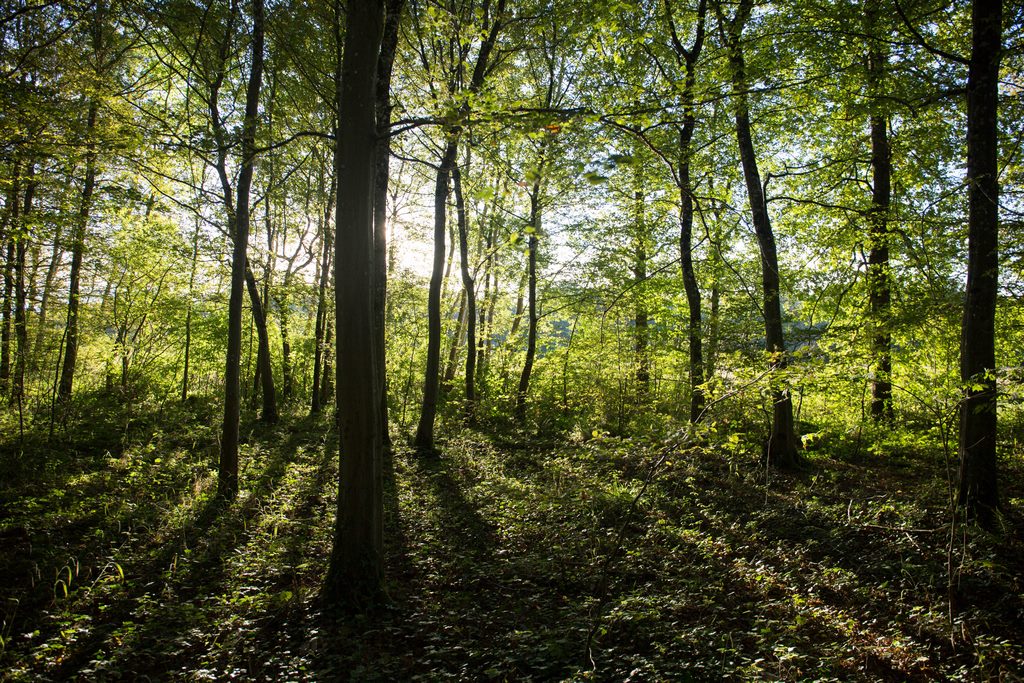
[227, 473]
[531, 304]
[468, 287]
[687, 58]
[424, 441]
[781, 447]
[20, 321]
[264, 368]
[641, 316]
[67, 373]
[11, 220]
[320, 330]
[186, 365]
[979, 491]
[355, 574]
[879, 276]
[382, 91]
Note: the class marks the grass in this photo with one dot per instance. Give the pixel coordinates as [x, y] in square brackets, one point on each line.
[508, 559]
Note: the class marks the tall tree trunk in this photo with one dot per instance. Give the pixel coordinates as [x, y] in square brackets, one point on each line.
[227, 474]
[688, 59]
[781, 448]
[188, 312]
[468, 287]
[879, 277]
[321, 324]
[355, 575]
[67, 373]
[424, 441]
[531, 329]
[20, 322]
[382, 172]
[979, 491]
[640, 317]
[448, 375]
[10, 235]
[264, 368]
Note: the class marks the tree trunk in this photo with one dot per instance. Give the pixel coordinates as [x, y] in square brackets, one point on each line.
[640, 316]
[382, 172]
[355, 575]
[227, 474]
[264, 368]
[531, 330]
[67, 373]
[781, 447]
[188, 313]
[448, 376]
[424, 441]
[20, 322]
[321, 303]
[468, 287]
[878, 276]
[10, 235]
[979, 492]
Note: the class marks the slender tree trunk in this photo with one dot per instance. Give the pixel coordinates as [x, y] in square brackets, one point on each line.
[382, 172]
[188, 313]
[424, 441]
[227, 474]
[20, 321]
[67, 374]
[468, 287]
[264, 368]
[781, 447]
[531, 330]
[321, 303]
[355, 574]
[10, 235]
[878, 276]
[979, 491]
[640, 317]
[448, 375]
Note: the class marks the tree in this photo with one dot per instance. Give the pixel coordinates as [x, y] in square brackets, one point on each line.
[227, 473]
[780, 449]
[979, 492]
[354, 577]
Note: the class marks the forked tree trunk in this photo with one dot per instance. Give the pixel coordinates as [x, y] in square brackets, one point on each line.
[227, 473]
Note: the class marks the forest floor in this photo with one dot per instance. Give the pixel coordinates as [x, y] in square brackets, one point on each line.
[588, 557]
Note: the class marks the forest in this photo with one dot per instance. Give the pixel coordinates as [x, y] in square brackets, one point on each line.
[502, 340]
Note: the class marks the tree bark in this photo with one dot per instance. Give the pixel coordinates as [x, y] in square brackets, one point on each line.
[531, 320]
[227, 474]
[878, 276]
[468, 287]
[382, 173]
[186, 365]
[781, 447]
[979, 491]
[321, 302]
[67, 373]
[688, 59]
[641, 315]
[424, 441]
[355, 575]
[20, 321]
[264, 368]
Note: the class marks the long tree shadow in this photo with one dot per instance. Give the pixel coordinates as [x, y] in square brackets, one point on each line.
[130, 626]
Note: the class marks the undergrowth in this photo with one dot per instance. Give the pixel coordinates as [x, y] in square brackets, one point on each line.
[587, 557]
